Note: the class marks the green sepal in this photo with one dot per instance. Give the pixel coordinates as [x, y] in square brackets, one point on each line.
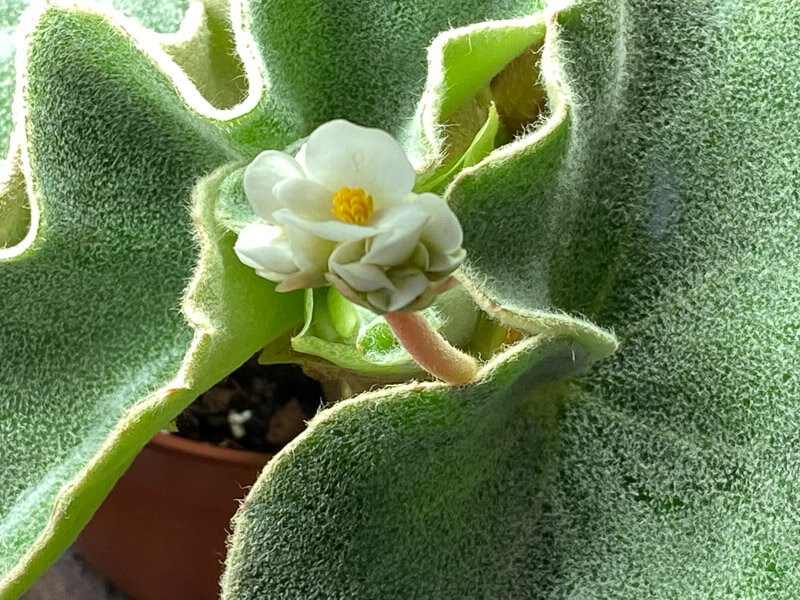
[343, 314]
[370, 349]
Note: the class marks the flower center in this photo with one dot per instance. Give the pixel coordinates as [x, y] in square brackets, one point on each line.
[352, 206]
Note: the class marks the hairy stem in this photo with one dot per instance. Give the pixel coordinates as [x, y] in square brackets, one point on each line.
[431, 350]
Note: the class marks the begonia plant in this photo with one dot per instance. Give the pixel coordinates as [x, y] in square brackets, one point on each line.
[592, 205]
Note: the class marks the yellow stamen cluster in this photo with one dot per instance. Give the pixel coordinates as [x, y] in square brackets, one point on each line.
[352, 206]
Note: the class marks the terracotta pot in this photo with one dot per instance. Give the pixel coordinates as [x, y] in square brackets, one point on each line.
[161, 532]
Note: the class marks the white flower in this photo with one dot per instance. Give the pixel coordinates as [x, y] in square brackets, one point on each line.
[343, 211]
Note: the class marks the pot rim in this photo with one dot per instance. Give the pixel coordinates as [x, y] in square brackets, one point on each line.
[174, 444]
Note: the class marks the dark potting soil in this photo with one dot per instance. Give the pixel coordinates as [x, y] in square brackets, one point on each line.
[257, 407]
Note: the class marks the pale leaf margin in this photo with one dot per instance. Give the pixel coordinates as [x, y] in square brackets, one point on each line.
[197, 371]
[427, 135]
[599, 342]
[155, 46]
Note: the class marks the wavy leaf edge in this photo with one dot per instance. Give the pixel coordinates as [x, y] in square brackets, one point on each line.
[15, 170]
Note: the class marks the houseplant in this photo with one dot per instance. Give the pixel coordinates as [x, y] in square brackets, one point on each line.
[657, 199]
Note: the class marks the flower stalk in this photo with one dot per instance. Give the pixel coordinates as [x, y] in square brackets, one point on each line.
[431, 351]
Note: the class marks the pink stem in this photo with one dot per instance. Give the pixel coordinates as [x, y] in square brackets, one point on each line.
[431, 351]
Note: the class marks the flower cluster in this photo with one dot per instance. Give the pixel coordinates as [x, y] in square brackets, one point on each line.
[342, 212]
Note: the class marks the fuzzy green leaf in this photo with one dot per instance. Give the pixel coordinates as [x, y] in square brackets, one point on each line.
[233, 211]
[15, 210]
[97, 354]
[660, 200]
[360, 60]
[205, 48]
[407, 492]
[10, 13]
[480, 147]
[159, 15]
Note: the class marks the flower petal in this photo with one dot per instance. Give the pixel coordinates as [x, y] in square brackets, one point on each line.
[301, 280]
[442, 232]
[420, 258]
[300, 157]
[344, 289]
[343, 263]
[409, 284]
[348, 252]
[340, 154]
[407, 215]
[260, 247]
[363, 278]
[336, 231]
[261, 175]
[310, 252]
[400, 227]
[379, 300]
[444, 264]
[305, 198]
